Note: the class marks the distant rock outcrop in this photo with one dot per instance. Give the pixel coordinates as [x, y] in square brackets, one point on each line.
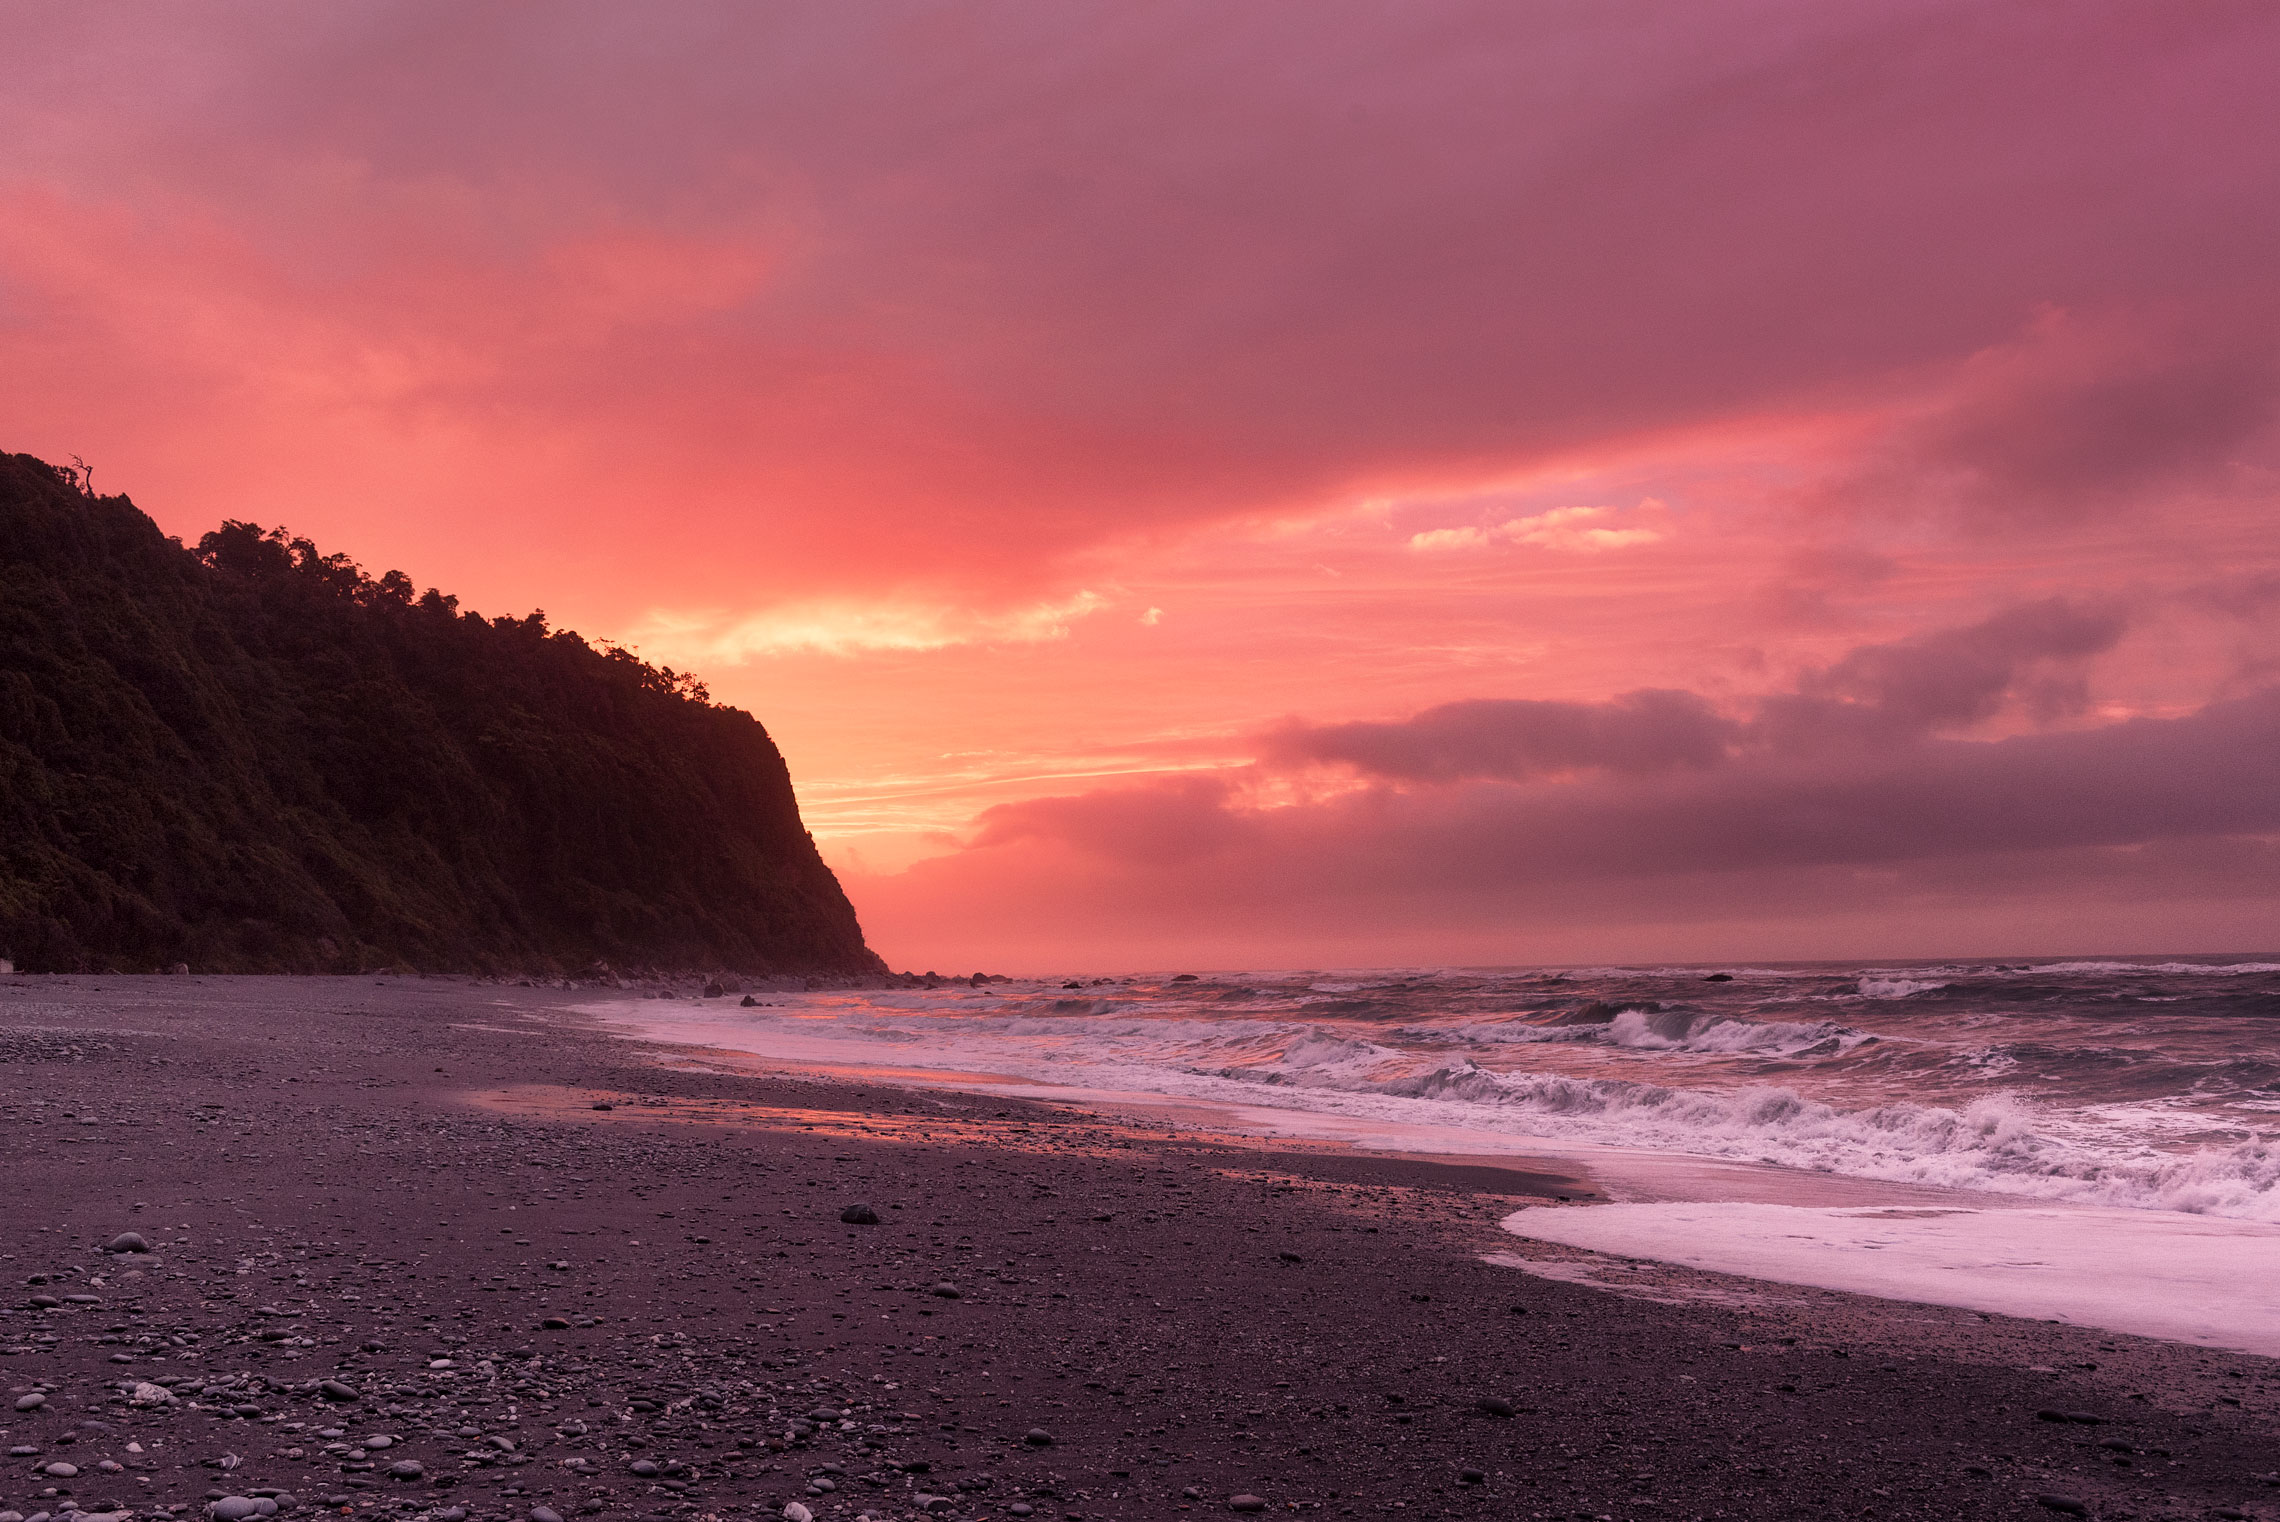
[253, 757]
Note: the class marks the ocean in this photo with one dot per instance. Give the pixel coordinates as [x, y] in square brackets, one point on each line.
[2006, 1135]
[2132, 1082]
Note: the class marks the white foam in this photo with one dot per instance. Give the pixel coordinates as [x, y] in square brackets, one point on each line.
[2171, 969]
[1896, 988]
[2186, 1278]
[1668, 1030]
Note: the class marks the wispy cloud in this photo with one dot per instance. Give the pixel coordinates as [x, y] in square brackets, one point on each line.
[852, 627]
[1584, 529]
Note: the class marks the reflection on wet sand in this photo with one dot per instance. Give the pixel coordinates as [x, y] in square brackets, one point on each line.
[1064, 1131]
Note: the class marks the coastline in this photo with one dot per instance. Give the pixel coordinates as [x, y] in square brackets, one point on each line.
[1177, 1311]
[2168, 1273]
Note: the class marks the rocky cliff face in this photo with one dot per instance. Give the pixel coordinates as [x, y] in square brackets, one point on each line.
[253, 757]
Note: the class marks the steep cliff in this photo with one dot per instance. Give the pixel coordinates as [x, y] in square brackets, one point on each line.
[253, 757]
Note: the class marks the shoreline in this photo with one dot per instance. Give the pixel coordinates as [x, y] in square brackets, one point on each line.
[2142, 1271]
[1177, 1313]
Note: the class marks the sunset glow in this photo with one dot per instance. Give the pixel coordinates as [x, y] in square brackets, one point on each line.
[1199, 485]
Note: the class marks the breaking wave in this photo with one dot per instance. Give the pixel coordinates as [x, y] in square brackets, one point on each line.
[1997, 1142]
[2111, 1082]
[1897, 988]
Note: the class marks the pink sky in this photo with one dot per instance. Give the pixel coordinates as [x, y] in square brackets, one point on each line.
[1326, 484]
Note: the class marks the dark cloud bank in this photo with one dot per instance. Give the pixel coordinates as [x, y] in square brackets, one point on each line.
[1850, 792]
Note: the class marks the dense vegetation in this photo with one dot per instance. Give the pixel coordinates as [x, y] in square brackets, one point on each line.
[254, 757]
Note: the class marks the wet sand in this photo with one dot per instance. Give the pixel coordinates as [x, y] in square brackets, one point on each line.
[398, 1186]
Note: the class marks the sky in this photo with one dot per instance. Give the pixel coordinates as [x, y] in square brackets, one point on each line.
[1280, 485]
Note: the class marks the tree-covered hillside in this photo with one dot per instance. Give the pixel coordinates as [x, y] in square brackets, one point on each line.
[254, 757]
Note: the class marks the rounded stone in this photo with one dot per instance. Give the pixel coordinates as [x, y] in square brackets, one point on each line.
[795, 1512]
[128, 1241]
[544, 1514]
[61, 1471]
[1246, 1503]
[644, 1467]
[1038, 1437]
[1494, 1405]
[859, 1215]
[31, 1402]
[234, 1509]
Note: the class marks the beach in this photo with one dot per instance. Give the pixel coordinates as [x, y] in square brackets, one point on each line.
[559, 1267]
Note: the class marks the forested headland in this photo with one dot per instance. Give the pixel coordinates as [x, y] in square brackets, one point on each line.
[251, 756]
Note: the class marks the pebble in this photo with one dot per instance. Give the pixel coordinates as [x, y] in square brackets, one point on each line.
[31, 1402]
[2065, 1505]
[2086, 1418]
[795, 1512]
[544, 1514]
[1246, 1503]
[945, 1290]
[406, 1469]
[1039, 1438]
[555, 1324]
[333, 1389]
[452, 1514]
[645, 1467]
[859, 1215]
[234, 1509]
[1020, 1509]
[128, 1241]
[1494, 1405]
[61, 1471]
